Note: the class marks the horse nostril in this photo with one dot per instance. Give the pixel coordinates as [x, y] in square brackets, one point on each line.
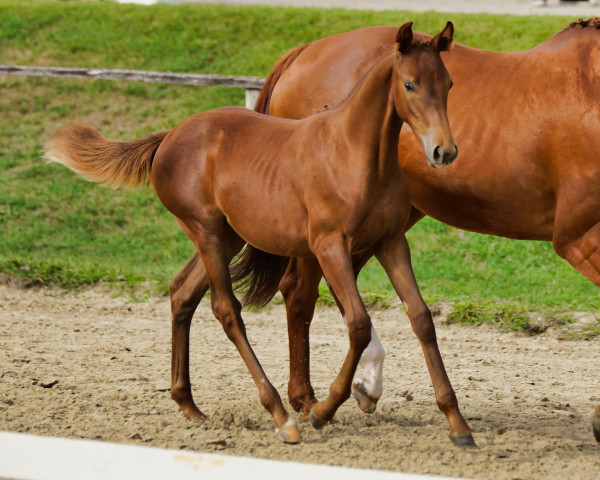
[437, 153]
[448, 159]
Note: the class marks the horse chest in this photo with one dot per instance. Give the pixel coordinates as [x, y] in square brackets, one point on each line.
[365, 209]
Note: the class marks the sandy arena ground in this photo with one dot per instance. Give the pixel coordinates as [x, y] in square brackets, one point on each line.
[92, 366]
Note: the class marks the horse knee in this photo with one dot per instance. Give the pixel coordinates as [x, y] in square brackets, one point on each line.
[359, 329]
[422, 325]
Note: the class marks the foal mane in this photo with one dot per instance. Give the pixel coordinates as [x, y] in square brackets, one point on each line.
[417, 43]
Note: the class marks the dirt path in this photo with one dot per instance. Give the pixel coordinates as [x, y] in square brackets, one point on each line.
[92, 366]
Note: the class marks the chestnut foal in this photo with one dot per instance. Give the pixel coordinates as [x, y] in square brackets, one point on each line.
[323, 187]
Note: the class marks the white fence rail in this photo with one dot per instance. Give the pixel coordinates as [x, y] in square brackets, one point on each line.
[30, 457]
[251, 84]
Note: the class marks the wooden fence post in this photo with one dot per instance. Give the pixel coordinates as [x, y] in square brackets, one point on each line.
[251, 97]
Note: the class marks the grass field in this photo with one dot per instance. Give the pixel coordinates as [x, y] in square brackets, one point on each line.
[58, 229]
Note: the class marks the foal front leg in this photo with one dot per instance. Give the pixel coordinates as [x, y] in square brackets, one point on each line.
[394, 256]
[336, 264]
[300, 289]
[367, 387]
[227, 309]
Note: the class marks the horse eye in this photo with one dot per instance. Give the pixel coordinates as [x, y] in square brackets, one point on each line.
[409, 86]
[451, 85]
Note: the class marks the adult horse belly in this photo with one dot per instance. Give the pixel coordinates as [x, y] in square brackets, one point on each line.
[483, 195]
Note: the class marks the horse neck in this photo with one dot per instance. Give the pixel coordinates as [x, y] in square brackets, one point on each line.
[370, 118]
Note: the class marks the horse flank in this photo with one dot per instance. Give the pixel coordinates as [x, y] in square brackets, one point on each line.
[119, 164]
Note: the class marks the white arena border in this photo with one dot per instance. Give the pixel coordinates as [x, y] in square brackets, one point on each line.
[31, 457]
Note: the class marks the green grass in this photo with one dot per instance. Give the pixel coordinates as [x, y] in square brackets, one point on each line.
[586, 333]
[58, 229]
[507, 316]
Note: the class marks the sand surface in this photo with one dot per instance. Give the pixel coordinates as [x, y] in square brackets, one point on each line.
[92, 366]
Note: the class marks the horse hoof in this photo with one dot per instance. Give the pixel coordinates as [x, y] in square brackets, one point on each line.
[366, 403]
[194, 414]
[315, 421]
[596, 423]
[289, 433]
[463, 440]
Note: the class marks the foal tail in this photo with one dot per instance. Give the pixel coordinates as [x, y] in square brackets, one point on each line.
[255, 271]
[87, 152]
[258, 273]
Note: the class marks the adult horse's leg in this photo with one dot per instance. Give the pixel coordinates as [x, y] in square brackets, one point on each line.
[394, 256]
[583, 252]
[336, 264]
[186, 291]
[300, 289]
[217, 245]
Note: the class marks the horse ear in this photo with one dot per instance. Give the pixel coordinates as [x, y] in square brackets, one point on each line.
[444, 40]
[404, 37]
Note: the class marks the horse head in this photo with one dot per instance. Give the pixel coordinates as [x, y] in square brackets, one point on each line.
[420, 91]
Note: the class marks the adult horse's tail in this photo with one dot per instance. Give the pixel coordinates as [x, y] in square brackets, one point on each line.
[87, 152]
[256, 271]
[264, 97]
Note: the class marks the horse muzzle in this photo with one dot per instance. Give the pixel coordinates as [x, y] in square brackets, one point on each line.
[442, 157]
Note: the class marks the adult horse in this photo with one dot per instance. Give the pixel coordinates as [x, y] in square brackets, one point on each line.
[528, 125]
[323, 187]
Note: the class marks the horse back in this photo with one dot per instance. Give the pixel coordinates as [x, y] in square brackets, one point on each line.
[525, 124]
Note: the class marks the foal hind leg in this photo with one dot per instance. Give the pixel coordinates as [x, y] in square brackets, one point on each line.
[186, 291]
[227, 309]
[584, 254]
[300, 289]
[394, 256]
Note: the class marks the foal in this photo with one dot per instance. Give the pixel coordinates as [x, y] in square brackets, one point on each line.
[325, 187]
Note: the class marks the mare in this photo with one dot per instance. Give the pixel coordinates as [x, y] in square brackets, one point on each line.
[322, 187]
[530, 118]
